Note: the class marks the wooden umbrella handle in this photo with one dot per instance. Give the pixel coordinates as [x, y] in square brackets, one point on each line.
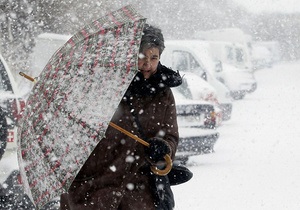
[27, 77]
[154, 169]
[166, 170]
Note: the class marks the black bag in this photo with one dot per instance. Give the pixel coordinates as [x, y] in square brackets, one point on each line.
[179, 174]
[162, 193]
[161, 186]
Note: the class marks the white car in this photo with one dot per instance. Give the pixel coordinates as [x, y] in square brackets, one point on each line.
[186, 57]
[240, 82]
[195, 88]
[196, 122]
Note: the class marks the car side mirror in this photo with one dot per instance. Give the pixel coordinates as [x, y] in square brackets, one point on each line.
[204, 76]
[218, 66]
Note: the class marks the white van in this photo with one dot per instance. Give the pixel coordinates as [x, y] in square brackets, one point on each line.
[237, 73]
[189, 56]
[196, 56]
[230, 45]
[235, 54]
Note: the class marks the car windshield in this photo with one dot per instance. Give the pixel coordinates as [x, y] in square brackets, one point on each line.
[185, 61]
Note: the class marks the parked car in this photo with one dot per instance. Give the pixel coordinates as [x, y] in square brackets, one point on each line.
[226, 61]
[237, 73]
[11, 105]
[186, 56]
[273, 47]
[195, 88]
[261, 57]
[196, 122]
[12, 196]
[230, 45]
[240, 82]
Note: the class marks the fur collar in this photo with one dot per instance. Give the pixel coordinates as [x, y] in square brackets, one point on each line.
[163, 78]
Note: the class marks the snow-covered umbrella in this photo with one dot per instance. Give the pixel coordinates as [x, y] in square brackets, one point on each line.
[73, 100]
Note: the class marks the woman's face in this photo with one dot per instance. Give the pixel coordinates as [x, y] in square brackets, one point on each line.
[148, 61]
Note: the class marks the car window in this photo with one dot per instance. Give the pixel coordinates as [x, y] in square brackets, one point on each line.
[1, 83]
[184, 89]
[180, 60]
[194, 63]
[239, 54]
[197, 68]
[4, 80]
[229, 52]
[185, 61]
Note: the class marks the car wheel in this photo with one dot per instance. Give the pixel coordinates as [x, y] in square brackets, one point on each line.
[3, 133]
[237, 95]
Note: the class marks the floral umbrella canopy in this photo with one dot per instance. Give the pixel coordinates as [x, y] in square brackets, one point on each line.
[72, 103]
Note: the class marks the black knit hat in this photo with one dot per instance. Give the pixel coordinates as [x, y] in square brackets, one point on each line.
[152, 37]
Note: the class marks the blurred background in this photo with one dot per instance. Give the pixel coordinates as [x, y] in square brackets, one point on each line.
[227, 50]
[23, 20]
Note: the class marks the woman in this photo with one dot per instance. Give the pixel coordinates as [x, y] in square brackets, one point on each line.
[117, 174]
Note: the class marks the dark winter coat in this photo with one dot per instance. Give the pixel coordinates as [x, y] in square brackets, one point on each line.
[114, 176]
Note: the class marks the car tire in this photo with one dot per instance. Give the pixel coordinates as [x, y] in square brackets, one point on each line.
[3, 133]
[237, 95]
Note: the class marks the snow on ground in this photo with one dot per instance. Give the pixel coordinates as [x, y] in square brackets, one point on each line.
[257, 157]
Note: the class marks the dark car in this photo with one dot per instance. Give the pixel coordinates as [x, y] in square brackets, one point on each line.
[11, 106]
[3, 133]
[12, 196]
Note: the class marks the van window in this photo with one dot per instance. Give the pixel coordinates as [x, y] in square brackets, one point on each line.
[239, 55]
[229, 52]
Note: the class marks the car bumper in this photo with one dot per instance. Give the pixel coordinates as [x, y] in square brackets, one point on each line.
[199, 141]
[252, 88]
[226, 109]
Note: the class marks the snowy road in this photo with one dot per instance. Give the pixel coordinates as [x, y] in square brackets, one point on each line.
[257, 160]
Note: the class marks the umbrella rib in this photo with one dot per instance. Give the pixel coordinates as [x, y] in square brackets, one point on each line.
[82, 123]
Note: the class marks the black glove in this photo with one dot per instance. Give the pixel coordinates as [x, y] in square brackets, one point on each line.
[157, 149]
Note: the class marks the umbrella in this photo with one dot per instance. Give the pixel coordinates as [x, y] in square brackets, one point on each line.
[73, 100]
